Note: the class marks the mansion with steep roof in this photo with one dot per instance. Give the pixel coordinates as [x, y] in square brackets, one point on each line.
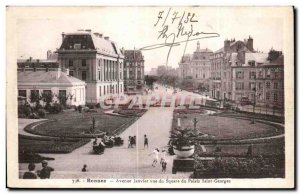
[87, 66]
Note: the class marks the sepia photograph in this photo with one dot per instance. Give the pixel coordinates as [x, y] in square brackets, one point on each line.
[150, 97]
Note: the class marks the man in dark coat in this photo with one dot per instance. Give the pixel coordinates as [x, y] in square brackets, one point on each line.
[46, 171]
[31, 174]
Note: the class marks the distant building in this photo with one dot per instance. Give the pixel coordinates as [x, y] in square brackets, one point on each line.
[44, 76]
[197, 65]
[153, 71]
[133, 71]
[94, 59]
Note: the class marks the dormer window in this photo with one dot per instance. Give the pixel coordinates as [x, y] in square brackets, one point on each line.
[77, 46]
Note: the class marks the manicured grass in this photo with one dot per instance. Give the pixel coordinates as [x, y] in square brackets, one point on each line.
[44, 145]
[266, 149]
[226, 128]
[75, 124]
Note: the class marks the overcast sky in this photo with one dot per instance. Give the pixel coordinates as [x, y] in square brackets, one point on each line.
[39, 29]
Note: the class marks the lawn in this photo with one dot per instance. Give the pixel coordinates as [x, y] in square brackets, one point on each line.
[226, 128]
[266, 149]
[75, 124]
[28, 144]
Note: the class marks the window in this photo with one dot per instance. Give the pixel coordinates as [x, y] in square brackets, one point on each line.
[268, 74]
[252, 75]
[268, 96]
[239, 86]
[70, 63]
[83, 75]
[83, 62]
[275, 85]
[252, 86]
[99, 75]
[276, 75]
[239, 75]
[34, 92]
[71, 73]
[62, 93]
[275, 97]
[99, 90]
[77, 46]
[22, 93]
[251, 63]
[46, 92]
[268, 85]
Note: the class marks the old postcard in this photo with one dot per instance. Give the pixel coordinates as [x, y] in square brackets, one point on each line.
[150, 97]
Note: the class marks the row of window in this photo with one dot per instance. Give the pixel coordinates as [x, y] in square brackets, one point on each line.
[23, 93]
[112, 89]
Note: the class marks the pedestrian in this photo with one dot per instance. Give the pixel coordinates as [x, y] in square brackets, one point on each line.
[84, 168]
[30, 174]
[129, 142]
[164, 166]
[155, 156]
[46, 171]
[145, 141]
[163, 156]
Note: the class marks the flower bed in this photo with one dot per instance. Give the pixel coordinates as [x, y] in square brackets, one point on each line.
[131, 112]
[232, 167]
[49, 145]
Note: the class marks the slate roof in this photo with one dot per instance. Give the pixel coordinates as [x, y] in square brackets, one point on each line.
[50, 77]
[83, 40]
[133, 55]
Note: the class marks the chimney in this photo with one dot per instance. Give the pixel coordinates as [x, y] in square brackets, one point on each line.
[88, 30]
[30, 59]
[100, 35]
[226, 45]
[106, 37]
[96, 34]
[250, 44]
[63, 36]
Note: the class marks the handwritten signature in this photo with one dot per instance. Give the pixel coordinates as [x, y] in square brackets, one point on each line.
[183, 33]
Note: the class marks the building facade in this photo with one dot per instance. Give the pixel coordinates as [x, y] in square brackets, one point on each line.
[197, 65]
[94, 59]
[237, 72]
[133, 71]
[43, 76]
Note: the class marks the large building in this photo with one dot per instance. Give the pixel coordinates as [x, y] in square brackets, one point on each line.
[237, 72]
[94, 59]
[44, 76]
[197, 65]
[133, 71]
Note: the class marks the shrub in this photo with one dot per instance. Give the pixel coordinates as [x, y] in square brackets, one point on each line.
[86, 109]
[56, 108]
[34, 116]
[24, 109]
[41, 113]
[22, 116]
[90, 106]
[79, 108]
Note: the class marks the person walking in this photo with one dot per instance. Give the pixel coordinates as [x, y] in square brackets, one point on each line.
[164, 166]
[163, 156]
[129, 142]
[30, 174]
[145, 141]
[155, 154]
[46, 171]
